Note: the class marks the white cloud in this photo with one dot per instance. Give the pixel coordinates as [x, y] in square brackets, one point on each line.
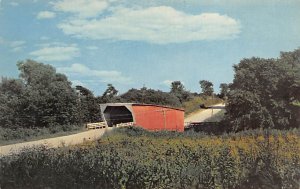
[59, 52]
[13, 4]
[18, 49]
[50, 44]
[167, 82]
[160, 25]
[17, 45]
[44, 38]
[14, 46]
[45, 15]
[80, 70]
[193, 3]
[82, 8]
[77, 82]
[92, 48]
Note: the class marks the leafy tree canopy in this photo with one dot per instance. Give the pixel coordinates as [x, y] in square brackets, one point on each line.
[207, 87]
[150, 96]
[177, 89]
[263, 91]
[41, 97]
[224, 89]
[109, 95]
[89, 109]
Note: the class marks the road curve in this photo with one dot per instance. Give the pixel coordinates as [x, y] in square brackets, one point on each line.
[201, 116]
[56, 142]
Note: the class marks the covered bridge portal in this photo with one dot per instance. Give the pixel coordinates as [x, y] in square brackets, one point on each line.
[148, 116]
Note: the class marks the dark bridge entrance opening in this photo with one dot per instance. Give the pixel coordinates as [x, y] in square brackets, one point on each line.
[117, 114]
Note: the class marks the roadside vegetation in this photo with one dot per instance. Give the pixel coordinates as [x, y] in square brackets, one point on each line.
[255, 144]
[218, 117]
[135, 158]
[42, 103]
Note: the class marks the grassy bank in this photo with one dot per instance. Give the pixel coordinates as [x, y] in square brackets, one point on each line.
[11, 136]
[134, 158]
[217, 117]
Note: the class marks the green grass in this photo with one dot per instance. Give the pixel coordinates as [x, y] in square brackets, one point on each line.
[217, 117]
[296, 103]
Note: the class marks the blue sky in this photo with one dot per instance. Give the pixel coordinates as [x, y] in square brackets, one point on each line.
[131, 43]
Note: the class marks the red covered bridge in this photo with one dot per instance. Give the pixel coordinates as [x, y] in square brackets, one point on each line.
[148, 116]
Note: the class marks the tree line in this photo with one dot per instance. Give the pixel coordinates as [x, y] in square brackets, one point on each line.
[41, 97]
[264, 93]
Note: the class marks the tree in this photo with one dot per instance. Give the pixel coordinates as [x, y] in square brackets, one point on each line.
[207, 87]
[89, 109]
[291, 63]
[224, 88]
[11, 91]
[41, 98]
[109, 94]
[150, 96]
[291, 86]
[177, 89]
[262, 93]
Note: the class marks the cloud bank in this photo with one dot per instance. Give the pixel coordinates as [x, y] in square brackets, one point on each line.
[82, 8]
[17, 46]
[58, 52]
[45, 15]
[80, 70]
[158, 25]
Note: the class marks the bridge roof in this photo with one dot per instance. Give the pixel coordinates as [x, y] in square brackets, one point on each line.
[139, 104]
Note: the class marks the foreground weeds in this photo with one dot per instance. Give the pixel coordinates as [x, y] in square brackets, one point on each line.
[134, 158]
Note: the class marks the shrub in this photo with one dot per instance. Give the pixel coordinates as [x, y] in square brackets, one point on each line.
[132, 158]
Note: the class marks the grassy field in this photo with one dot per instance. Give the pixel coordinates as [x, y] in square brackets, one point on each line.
[134, 158]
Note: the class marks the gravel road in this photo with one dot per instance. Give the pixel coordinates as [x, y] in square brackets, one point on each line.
[56, 142]
[204, 114]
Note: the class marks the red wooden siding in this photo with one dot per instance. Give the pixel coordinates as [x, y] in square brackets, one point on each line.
[155, 118]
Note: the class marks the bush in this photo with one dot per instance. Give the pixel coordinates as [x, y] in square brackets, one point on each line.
[264, 93]
[131, 158]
